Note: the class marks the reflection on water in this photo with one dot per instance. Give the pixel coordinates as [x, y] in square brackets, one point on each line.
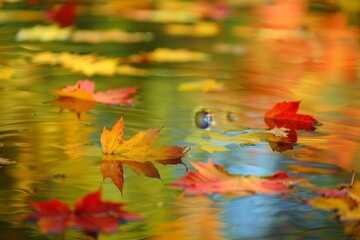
[266, 56]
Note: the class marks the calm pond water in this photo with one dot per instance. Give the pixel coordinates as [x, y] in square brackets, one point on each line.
[259, 65]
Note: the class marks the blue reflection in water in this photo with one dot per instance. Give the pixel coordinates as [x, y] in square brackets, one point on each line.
[270, 217]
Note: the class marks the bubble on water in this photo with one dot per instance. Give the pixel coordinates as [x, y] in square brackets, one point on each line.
[203, 119]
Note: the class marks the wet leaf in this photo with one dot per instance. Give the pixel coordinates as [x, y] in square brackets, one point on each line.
[332, 203]
[344, 200]
[63, 15]
[84, 90]
[91, 214]
[164, 55]
[209, 85]
[88, 64]
[198, 29]
[211, 178]
[332, 192]
[139, 146]
[137, 153]
[48, 33]
[284, 115]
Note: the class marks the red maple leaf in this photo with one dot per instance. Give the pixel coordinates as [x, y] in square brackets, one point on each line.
[284, 115]
[91, 214]
[63, 15]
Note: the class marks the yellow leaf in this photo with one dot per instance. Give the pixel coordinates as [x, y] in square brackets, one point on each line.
[137, 148]
[205, 85]
[111, 140]
[339, 204]
[354, 191]
[350, 215]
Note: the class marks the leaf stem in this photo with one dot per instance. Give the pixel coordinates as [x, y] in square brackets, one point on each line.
[352, 178]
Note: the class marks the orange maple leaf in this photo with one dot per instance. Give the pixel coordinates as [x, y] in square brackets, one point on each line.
[139, 146]
[137, 153]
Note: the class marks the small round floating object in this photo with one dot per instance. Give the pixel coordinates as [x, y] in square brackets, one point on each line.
[203, 119]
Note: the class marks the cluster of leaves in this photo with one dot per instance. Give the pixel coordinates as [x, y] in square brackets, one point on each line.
[344, 202]
[82, 96]
[91, 64]
[283, 121]
[91, 214]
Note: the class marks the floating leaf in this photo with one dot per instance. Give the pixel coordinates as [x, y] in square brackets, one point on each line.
[84, 90]
[284, 115]
[344, 201]
[63, 15]
[88, 64]
[208, 85]
[48, 33]
[162, 55]
[139, 146]
[198, 29]
[91, 214]
[211, 178]
[137, 153]
[332, 203]
[80, 98]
